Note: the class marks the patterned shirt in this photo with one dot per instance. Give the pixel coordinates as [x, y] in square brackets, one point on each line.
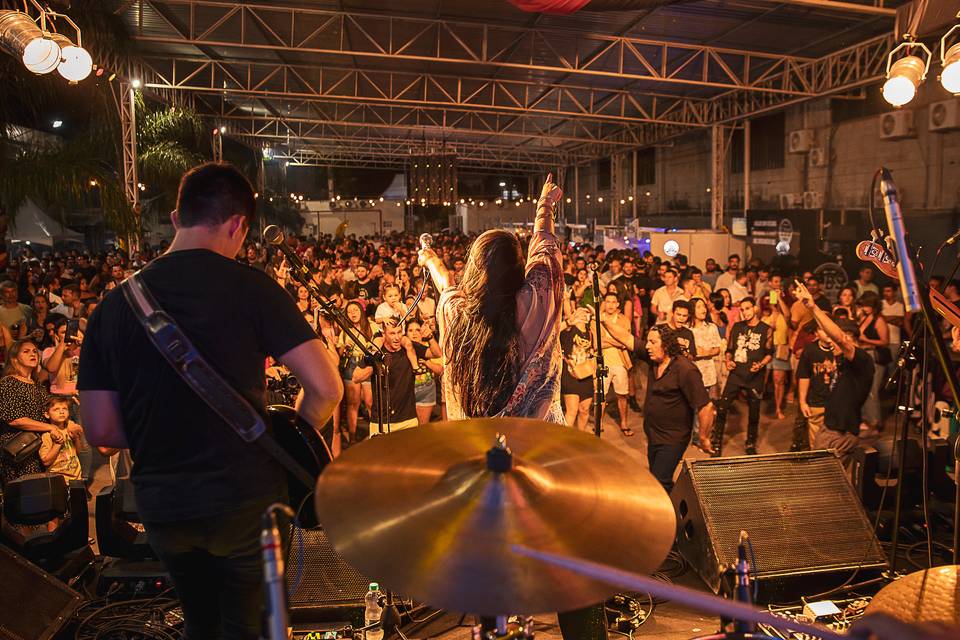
[539, 305]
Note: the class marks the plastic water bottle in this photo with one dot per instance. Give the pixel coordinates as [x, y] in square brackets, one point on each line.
[373, 612]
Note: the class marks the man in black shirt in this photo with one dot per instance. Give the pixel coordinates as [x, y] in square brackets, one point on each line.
[815, 375]
[400, 360]
[749, 351]
[679, 318]
[850, 385]
[200, 488]
[675, 392]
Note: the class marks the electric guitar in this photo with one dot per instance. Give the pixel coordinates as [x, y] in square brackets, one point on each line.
[874, 253]
[309, 448]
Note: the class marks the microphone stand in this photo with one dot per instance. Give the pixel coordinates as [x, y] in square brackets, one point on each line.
[921, 295]
[372, 355]
[599, 391]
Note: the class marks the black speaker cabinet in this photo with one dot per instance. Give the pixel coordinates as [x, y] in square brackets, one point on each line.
[323, 587]
[33, 604]
[804, 519]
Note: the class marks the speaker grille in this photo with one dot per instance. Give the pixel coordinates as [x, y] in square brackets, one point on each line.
[325, 578]
[800, 512]
[33, 604]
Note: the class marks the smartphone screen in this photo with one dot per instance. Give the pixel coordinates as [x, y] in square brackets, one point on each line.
[73, 328]
[774, 297]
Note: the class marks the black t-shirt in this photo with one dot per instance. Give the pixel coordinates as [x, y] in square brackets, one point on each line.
[748, 345]
[369, 290]
[188, 462]
[820, 367]
[850, 390]
[672, 400]
[686, 340]
[400, 383]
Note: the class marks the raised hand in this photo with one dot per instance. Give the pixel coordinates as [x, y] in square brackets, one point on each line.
[551, 193]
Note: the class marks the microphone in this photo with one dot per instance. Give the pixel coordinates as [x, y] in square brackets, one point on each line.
[426, 241]
[274, 235]
[952, 240]
[898, 233]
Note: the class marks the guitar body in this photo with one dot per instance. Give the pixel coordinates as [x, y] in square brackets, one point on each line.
[309, 448]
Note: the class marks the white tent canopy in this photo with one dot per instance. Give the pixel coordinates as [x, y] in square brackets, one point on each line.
[32, 225]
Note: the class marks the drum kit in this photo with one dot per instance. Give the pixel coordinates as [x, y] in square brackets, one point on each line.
[508, 517]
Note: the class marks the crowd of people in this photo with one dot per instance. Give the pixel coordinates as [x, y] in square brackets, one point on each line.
[742, 324]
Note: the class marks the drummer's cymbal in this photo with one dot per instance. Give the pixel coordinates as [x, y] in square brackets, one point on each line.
[419, 511]
[931, 595]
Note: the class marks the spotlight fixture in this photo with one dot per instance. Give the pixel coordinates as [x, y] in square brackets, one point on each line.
[630, 198]
[57, 124]
[223, 130]
[600, 199]
[42, 50]
[905, 74]
[569, 200]
[950, 60]
[136, 83]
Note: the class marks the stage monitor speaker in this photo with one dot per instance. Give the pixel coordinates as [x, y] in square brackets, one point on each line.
[33, 604]
[805, 521]
[322, 586]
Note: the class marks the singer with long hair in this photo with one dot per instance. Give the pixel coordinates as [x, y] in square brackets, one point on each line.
[500, 337]
[499, 329]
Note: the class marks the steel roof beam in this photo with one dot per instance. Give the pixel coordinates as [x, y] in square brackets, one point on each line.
[253, 27]
[299, 82]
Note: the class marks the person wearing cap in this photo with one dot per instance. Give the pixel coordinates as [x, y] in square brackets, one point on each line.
[850, 385]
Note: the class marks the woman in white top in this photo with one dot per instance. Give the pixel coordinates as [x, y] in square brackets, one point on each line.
[707, 338]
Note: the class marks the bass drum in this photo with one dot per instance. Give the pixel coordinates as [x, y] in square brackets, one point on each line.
[309, 448]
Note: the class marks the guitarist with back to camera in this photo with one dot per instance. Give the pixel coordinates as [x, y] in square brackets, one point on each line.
[200, 488]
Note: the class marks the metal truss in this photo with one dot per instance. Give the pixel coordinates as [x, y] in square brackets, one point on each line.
[550, 118]
[304, 119]
[361, 86]
[394, 154]
[126, 105]
[279, 29]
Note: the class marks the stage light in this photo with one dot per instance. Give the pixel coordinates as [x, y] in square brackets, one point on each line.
[950, 60]
[905, 75]
[518, 203]
[622, 201]
[482, 203]
[57, 124]
[630, 198]
[41, 55]
[671, 248]
[569, 200]
[600, 199]
[93, 183]
[136, 83]
[503, 184]
[381, 198]
[223, 130]
[77, 63]
[648, 194]
[588, 196]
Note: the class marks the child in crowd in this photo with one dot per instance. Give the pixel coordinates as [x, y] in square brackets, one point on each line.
[58, 450]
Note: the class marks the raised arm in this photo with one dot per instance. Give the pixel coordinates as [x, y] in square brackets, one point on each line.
[549, 197]
[826, 323]
[429, 259]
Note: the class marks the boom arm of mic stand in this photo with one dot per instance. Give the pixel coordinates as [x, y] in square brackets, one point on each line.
[599, 392]
[370, 351]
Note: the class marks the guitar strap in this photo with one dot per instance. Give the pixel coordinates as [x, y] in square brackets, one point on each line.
[205, 381]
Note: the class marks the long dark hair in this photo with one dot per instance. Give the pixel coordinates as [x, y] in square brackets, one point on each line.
[482, 341]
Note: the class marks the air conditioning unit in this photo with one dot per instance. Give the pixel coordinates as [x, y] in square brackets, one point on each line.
[813, 199]
[896, 125]
[800, 141]
[791, 200]
[944, 116]
[818, 157]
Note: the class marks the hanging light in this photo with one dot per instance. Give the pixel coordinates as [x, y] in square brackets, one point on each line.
[42, 55]
[905, 75]
[76, 63]
[950, 60]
